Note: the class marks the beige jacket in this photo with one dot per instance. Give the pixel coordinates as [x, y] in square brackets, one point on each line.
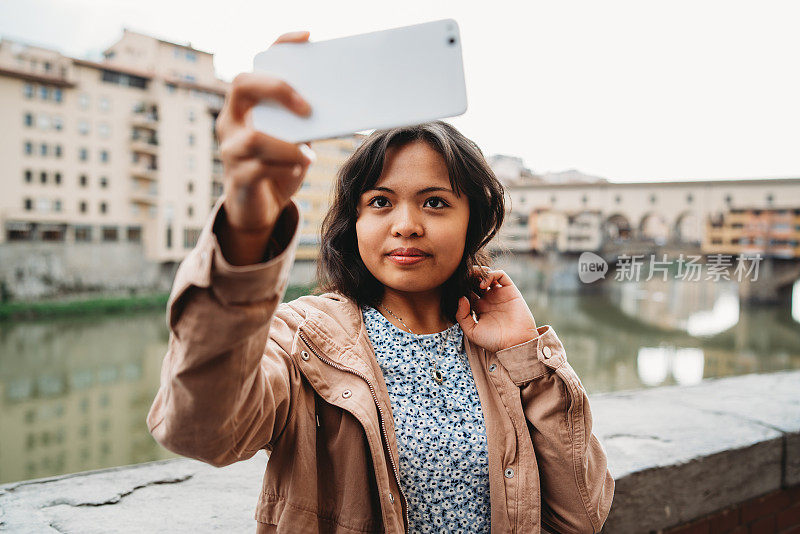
[245, 371]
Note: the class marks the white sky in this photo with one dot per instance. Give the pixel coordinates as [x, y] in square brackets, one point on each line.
[631, 91]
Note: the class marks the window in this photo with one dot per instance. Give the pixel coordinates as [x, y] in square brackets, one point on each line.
[191, 139]
[109, 233]
[28, 204]
[42, 204]
[134, 234]
[103, 207]
[191, 115]
[190, 162]
[83, 127]
[83, 101]
[58, 178]
[28, 147]
[190, 187]
[104, 156]
[104, 104]
[190, 236]
[652, 199]
[44, 92]
[29, 90]
[191, 56]
[47, 66]
[82, 206]
[29, 119]
[103, 130]
[585, 199]
[57, 94]
[56, 205]
[43, 149]
[169, 236]
[83, 154]
[28, 176]
[190, 211]
[43, 122]
[43, 177]
[58, 151]
[689, 198]
[58, 123]
[103, 182]
[171, 88]
[83, 180]
[83, 233]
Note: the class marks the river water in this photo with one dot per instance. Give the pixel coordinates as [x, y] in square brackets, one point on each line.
[74, 392]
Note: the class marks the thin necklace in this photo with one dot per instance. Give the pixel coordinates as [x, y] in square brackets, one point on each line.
[436, 373]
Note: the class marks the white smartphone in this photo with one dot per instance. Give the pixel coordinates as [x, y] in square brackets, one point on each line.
[384, 79]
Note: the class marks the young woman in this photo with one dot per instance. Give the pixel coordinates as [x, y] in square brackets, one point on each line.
[413, 391]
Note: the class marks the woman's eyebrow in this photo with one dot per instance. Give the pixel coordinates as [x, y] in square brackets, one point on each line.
[420, 192]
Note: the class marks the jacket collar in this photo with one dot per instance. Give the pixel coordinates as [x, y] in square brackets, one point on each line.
[330, 321]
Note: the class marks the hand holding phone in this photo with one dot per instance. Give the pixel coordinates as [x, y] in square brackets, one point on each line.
[261, 173]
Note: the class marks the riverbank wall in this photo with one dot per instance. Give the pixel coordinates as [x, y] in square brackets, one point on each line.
[719, 456]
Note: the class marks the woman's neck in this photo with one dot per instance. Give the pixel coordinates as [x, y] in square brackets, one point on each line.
[421, 312]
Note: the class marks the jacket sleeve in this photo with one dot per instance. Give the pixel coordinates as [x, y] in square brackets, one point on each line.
[227, 378]
[576, 485]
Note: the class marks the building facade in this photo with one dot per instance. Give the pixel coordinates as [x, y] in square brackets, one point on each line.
[123, 150]
[718, 216]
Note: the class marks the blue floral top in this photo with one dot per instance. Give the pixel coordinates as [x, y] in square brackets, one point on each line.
[441, 435]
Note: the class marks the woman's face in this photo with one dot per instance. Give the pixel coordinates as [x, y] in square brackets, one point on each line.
[412, 205]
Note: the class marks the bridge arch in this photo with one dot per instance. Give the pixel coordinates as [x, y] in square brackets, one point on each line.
[689, 228]
[653, 226]
[617, 228]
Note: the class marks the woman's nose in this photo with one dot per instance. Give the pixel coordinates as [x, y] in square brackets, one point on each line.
[406, 222]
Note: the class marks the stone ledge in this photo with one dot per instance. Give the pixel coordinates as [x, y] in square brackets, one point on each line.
[680, 452]
[677, 453]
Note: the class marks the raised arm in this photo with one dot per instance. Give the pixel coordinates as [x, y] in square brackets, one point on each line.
[227, 380]
[576, 486]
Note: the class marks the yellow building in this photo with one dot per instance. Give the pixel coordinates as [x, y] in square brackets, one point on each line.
[769, 232]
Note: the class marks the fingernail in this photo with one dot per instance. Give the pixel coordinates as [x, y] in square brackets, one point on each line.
[296, 170]
[295, 35]
[308, 153]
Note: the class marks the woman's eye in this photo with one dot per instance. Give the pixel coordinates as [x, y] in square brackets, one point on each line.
[370, 203]
[438, 199]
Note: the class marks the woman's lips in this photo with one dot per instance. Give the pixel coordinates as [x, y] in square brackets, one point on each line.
[407, 260]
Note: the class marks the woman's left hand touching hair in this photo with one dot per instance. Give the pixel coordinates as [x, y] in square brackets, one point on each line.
[504, 319]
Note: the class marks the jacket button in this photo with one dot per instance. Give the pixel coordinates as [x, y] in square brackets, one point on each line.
[492, 367]
[304, 355]
[509, 473]
[546, 352]
[346, 393]
[391, 498]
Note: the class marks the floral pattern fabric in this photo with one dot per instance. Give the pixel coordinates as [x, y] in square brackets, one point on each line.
[441, 435]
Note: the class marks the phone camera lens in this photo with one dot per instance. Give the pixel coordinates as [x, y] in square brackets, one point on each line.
[452, 40]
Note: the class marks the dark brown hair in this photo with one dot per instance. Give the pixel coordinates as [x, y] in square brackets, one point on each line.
[340, 267]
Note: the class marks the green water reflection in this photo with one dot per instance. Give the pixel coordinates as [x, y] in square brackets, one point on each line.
[74, 393]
